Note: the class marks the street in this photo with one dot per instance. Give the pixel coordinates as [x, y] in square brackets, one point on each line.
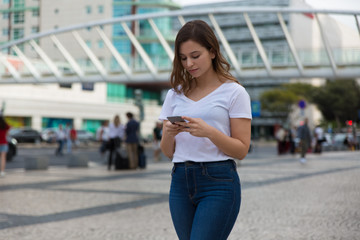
[281, 198]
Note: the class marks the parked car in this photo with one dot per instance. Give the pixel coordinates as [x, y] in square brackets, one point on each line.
[84, 136]
[48, 135]
[25, 135]
[12, 148]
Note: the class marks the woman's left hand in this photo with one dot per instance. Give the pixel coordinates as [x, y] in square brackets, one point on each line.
[196, 127]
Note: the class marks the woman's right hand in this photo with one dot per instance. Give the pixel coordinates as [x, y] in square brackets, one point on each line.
[171, 129]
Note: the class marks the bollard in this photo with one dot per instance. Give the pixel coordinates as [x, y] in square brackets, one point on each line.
[77, 161]
[36, 163]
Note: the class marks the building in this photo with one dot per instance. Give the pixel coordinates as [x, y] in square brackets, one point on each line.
[310, 49]
[85, 105]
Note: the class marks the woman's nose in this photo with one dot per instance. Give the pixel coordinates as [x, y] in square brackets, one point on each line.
[189, 63]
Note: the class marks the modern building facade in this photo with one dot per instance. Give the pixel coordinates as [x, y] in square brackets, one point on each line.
[87, 104]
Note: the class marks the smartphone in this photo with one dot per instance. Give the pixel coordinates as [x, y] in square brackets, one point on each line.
[174, 119]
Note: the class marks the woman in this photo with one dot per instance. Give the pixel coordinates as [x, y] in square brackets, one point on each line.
[205, 188]
[4, 127]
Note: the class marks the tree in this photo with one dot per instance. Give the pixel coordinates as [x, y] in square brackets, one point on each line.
[338, 100]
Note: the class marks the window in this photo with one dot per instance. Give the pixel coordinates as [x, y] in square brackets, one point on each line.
[18, 33]
[100, 9]
[5, 1]
[5, 31]
[88, 43]
[35, 29]
[88, 9]
[5, 16]
[19, 17]
[100, 44]
[35, 13]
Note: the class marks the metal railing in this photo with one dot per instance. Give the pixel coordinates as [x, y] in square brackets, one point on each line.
[246, 47]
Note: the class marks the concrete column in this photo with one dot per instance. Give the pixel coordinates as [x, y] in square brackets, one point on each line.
[36, 122]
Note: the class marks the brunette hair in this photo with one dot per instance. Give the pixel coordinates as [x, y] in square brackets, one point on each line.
[200, 32]
[3, 123]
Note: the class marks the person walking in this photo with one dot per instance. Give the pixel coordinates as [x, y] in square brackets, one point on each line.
[115, 135]
[132, 140]
[60, 138]
[205, 191]
[4, 147]
[319, 139]
[103, 137]
[305, 139]
[157, 132]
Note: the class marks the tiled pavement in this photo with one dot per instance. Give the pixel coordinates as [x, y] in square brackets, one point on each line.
[281, 199]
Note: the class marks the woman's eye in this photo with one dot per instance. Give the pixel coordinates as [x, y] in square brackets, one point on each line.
[182, 59]
[195, 57]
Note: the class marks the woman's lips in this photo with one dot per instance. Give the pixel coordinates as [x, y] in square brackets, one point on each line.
[192, 71]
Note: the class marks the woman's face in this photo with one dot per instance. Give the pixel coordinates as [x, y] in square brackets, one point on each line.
[195, 58]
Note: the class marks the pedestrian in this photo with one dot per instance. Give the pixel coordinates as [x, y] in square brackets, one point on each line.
[4, 147]
[68, 138]
[157, 133]
[132, 140]
[60, 138]
[205, 192]
[104, 137]
[280, 136]
[305, 139]
[319, 139]
[115, 135]
[73, 136]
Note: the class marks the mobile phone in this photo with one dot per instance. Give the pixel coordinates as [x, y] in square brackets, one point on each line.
[174, 119]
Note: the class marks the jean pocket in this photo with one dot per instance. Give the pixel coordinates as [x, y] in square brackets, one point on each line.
[173, 170]
[220, 173]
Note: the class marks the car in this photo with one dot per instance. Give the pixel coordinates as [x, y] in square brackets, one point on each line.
[84, 136]
[25, 135]
[12, 143]
[48, 135]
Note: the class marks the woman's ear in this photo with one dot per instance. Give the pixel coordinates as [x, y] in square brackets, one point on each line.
[212, 53]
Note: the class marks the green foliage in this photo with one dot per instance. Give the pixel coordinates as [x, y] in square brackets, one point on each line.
[278, 100]
[338, 100]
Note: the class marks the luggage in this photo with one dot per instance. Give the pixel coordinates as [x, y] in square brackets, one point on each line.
[121, 162]
[142, 157]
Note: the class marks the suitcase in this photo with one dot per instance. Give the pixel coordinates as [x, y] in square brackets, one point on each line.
[121, 162]
[142, 157]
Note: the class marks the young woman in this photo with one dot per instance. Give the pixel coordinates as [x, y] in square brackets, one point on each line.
[205, 188]
[4, 127]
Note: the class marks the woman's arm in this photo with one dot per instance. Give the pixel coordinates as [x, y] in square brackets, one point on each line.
[236, 145]
[167, 143]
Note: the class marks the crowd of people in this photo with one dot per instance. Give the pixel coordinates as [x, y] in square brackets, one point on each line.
[115, 135]
[302, 139]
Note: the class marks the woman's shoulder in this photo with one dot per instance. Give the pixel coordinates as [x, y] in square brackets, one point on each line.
[233, 86]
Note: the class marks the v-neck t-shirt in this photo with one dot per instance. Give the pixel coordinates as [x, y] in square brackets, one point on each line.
[229, 100]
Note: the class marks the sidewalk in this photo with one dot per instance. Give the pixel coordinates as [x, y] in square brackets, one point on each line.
[281, 199]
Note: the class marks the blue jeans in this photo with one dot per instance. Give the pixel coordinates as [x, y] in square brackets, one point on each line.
[204, 199]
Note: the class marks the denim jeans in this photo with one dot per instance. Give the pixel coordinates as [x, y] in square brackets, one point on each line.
[204, 199]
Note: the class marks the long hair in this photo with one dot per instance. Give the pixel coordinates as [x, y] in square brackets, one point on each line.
[3, 123]
[200, 32]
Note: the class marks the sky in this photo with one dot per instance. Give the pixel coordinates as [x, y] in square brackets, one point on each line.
[318, 4]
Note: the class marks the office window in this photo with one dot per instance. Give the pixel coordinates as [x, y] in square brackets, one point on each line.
[18, 3]
[5, 16]
[18, 33]
[5, 31]
[35, 13]
[35, 29]
[88, 9]
[100, 9]
[88, 43]
[5, 1]
[100, 44]
[19, 17]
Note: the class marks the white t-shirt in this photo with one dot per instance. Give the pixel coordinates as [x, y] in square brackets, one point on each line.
[116, 131]
[230, 100]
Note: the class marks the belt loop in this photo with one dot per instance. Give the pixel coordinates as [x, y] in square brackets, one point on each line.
[203, 168]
